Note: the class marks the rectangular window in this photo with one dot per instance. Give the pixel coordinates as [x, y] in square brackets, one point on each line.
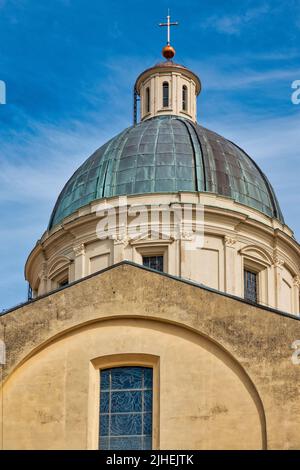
[63, 282]
[250, 286]
[154, 262]
[184, 97]
[165, 95]
[126, 408]
[147, 100]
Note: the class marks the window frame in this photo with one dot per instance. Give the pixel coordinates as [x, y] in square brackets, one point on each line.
[184, 97]
[120, 360]
[256, 274]
[153, 248]
[147, 100]
[64, 282]
[262, 272]
[61, 278]
[256, 259]
[151, 255]
[165, 99]
[142, 389]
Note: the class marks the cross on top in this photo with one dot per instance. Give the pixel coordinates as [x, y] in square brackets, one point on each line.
[168, 24]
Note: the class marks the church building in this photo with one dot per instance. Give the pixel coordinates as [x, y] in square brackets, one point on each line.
[164, 295]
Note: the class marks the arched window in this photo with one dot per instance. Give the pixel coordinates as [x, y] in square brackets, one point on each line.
[165, 94]
[184, 98]
[126, 408]
[147, 104]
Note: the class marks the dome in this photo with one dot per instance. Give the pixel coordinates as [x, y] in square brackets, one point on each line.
[167, 154]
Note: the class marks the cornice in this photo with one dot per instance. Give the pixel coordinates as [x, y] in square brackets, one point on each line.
[161, 69]
[219, 221]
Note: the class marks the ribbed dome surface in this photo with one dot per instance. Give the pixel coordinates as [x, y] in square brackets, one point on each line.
[167, 154]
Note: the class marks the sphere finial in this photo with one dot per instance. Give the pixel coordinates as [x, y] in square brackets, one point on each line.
[168, 52]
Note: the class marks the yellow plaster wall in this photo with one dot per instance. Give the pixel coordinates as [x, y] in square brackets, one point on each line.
[205, 399]
[226, 379]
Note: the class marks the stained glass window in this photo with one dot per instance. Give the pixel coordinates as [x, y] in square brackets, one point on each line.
[165, 94]
[126, 408]
[154, 262]
[250, 286]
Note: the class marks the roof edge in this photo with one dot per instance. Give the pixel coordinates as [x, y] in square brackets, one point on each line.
[167, 275]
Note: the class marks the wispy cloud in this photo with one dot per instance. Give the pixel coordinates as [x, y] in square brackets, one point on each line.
[248, 79]
[233, 24]
[275, 56]
[72, 88]
[34, 166]
[273, 142]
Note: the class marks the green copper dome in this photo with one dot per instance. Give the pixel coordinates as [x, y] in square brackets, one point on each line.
[167, 154]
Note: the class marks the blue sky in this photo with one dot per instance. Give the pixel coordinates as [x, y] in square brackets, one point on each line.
[69, 68]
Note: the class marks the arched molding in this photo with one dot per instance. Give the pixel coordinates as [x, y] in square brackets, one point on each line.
[160, 324]
[58, 265]
[257, 254]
